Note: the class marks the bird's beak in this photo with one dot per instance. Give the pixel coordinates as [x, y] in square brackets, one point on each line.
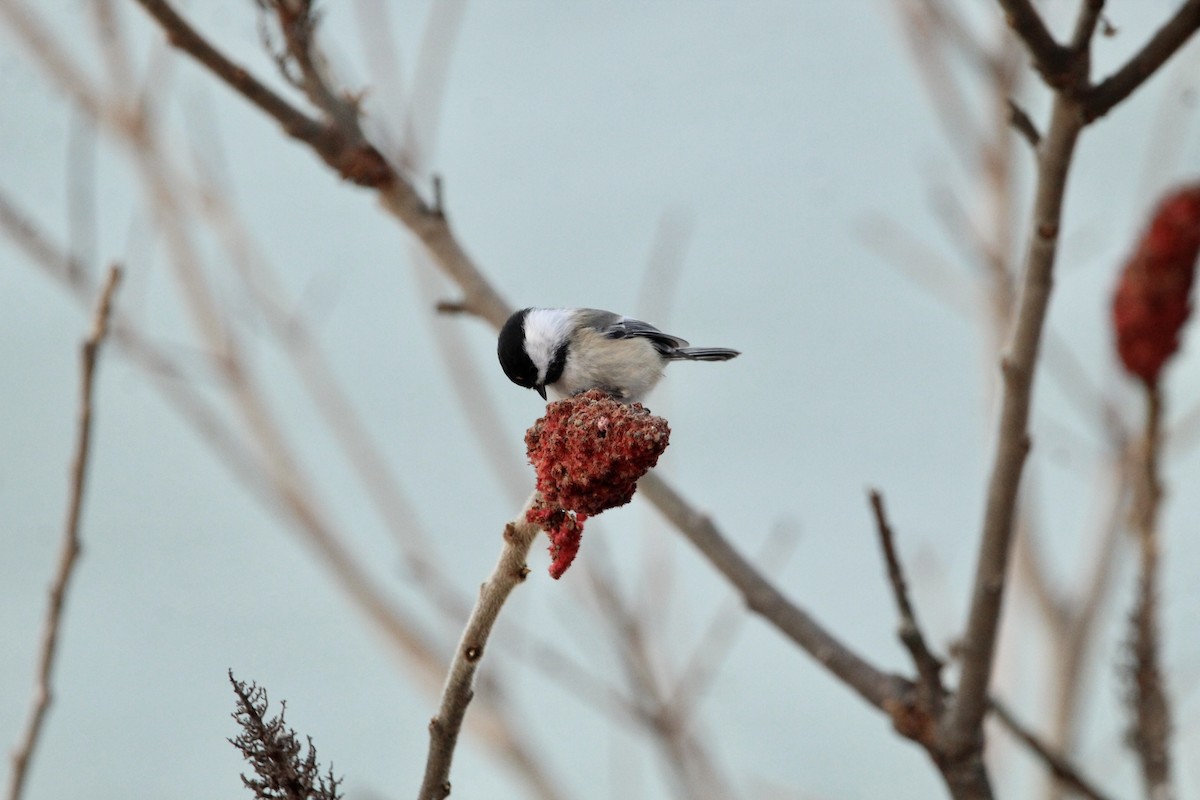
[541, 390]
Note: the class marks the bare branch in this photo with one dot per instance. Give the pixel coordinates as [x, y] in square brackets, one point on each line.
[701, 668]
[1023, 124]
[458, 691]
[921, 21]
[919, 262]
[1101, 98]
[70, 76]
[692, 765]
[1074, 630]
[1151, 731]
[354, 159]
[1085, 26]
[69, 554]
[929, 667]
[876, 687]
[1050, 58]
[377, 475]
[298, 22]
[961, 730]
[1059, 767]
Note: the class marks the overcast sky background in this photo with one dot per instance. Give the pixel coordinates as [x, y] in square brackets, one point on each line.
[772, 134]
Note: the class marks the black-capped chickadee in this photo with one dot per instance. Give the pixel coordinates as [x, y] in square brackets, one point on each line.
[572, 350]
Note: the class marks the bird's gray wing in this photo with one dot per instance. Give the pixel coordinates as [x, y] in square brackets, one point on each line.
[615, 326]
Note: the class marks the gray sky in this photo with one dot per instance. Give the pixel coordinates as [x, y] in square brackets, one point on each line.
[773, 134]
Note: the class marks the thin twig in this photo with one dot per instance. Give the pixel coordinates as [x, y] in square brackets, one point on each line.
[947, 18]
[421, 121]
[1073, 635]
[701, 668]
[929, 667]
[1030, 568]
[343, 149]
[184, 37]
[950, 104]
[1059, 767]
[1049, 57]
[1023, 125]
[919, 263]
[298, 26]
[966, 715]
[1100, 99]
[1085, 26]
[56, 62]
[360, 448]
[692, 765]
[876, 687]
[510, 571]
[1151, 732]
[44, 690]
[282, 487]
[398, 196]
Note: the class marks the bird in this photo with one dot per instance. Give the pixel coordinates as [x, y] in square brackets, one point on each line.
[567, 351]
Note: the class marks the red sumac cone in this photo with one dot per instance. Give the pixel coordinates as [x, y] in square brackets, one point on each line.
[589, 452]
[1153, 296]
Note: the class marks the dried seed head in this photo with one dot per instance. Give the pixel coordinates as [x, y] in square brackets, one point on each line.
[1153, 296]
[588, 452]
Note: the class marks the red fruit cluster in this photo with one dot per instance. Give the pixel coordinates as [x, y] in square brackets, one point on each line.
[589, 452]
[565, 530]
[1153, 297]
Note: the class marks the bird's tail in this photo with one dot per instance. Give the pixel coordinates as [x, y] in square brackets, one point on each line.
[704, 353]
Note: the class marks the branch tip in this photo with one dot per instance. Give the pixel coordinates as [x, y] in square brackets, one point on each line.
[43, 692]
[453, 307]
[1022, 124]
[928, 666]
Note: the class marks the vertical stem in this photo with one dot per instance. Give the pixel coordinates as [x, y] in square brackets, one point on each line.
[1152, 714]
[459, 690]
[43, 694]
[962, 731]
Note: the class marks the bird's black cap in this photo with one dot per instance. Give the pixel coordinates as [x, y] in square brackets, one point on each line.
[510, 348]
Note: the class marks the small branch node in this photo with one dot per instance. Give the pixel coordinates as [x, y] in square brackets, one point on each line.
[454, 307]
[1022, 124]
